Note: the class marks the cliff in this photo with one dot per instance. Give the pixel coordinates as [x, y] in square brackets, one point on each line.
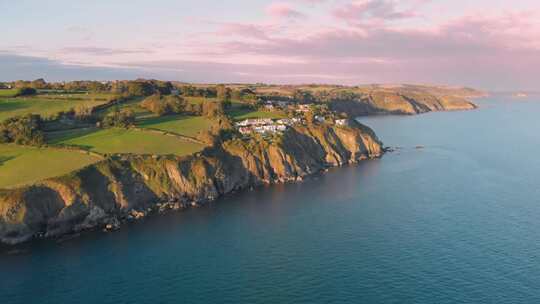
[400, 102]
[128, 187]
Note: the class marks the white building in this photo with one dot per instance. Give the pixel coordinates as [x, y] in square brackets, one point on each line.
[261, 125]
[302, 108]
[319, 118]
[342, 122]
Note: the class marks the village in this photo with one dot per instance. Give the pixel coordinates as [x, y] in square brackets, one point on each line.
[268, 126]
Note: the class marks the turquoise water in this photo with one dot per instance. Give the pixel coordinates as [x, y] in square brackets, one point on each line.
[455, 222]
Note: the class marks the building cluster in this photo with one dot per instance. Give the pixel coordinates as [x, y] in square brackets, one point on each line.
[286, 105]
[276, 104]
[265, 125]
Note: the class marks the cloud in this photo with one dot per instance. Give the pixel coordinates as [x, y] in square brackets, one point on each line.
[353, 42]
[254, 31]
[30, 67]
[283, 10]
[101, 51]
[372, 9]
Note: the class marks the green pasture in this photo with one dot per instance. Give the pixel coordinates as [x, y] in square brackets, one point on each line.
[20, 165]
[45, 107]
[116, 140]
[179, 124]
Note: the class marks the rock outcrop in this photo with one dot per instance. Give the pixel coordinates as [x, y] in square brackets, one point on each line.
[123, 188]
[397, 102]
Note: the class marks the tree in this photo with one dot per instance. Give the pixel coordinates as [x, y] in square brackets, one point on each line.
[39, 84]
[119, 118]
[140, 88]
[164, 88]
[223, 93]
[82, 112]
[26, 91]
[303, 96]
[161, 105]
[212, 109]
[25, 130]
[96, 86]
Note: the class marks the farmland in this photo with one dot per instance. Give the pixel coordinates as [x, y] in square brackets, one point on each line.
[20, 165]
[115, 140]
[179, 124]
[8, 92]
[46, 107]
[242, 114]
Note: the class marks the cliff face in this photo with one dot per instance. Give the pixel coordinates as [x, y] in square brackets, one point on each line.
[384, 102]
[127, 187]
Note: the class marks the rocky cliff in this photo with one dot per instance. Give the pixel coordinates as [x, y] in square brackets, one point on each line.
[128, 187]
[400, 102]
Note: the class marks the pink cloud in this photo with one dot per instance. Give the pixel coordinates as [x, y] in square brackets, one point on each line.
[283, 10]
[372, 9]
[474, 49]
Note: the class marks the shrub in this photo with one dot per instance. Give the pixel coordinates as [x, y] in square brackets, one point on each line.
[161, 105]
[26, 92]
[22, 130]
[119, 118]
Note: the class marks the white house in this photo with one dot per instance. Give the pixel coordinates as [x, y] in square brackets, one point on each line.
[342, 122]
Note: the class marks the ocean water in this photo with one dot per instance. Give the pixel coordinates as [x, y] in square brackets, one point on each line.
[457, 221]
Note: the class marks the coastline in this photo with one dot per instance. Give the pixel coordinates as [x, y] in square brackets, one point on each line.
[128, 188]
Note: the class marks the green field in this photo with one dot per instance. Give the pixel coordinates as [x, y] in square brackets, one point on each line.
[246, 114]
[76, 96]
[179, 124]
[111, 141]
[133, 104]
[8, 92]
[198, 100]
[21, 165]
[10, 107]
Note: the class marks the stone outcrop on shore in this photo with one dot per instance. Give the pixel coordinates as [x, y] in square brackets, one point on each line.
[401, 103]
[125, 188]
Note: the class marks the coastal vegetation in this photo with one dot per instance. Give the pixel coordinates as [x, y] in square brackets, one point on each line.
[21, 165]
[178, 124]
[120, 140]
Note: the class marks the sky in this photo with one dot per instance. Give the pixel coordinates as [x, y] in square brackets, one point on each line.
[487, 44]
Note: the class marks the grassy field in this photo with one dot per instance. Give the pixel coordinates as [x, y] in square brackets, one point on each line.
[58, 137]
[133, 104]
[198, 100]
[8, 92]
[24, 165]
[179, 124]
[10, 107]
[112, 141]
[246, 114]
[76, 96]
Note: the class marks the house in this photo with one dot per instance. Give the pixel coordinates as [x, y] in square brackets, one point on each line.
[244, 130]
[319, 118]
[261, 125]
[282, 104]
[342, 122]
[175, 92]
[302, 108]
[285, 121]
[254, 122]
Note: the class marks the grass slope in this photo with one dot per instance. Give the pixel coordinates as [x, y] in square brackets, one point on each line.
[8, 92]
[20, 165]
[246, 114]
[112, 141]
[180, 124]
[10, 107]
